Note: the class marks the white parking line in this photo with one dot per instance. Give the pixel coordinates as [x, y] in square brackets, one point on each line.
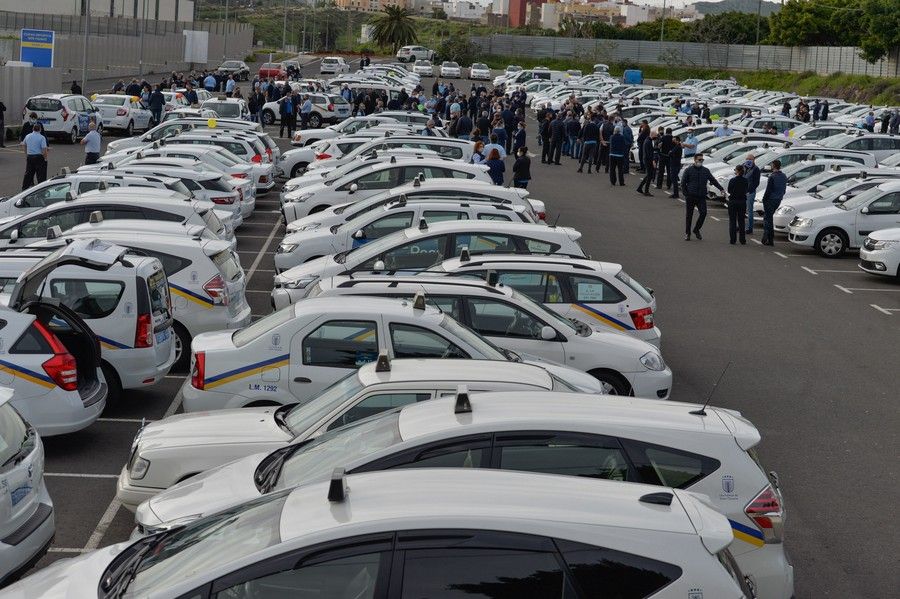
[756, 241]
[129, 420]
[716, 218]
[78, 475]
[94, 540]
[269, 291]
[818, 270]
[888, 311]
[844, 289]
[259, 256]
[852, 289]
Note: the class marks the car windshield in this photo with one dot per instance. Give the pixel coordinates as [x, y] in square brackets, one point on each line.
[423, 63]
[848, 185]
[373, 248]
[339, 448]
[302, 417]
[231, 64]
[862, 199]
[262, 326]
[451, 65]
[480, 66]
[836, 141]
[488, 350]
[208, 543]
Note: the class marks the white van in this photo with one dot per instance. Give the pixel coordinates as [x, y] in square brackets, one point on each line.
[63, 115]
[127, 306]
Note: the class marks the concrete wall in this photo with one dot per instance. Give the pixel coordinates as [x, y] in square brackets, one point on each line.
[17, 84]
[820, 59]
[105, 8]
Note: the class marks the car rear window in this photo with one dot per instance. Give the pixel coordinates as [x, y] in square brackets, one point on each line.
[44, 104]
[159, 292]
[114, 100]
[217, 184]
[635, 286]
[212, 221]
[227, 265]
[224, 109]
[179, 187]
[88, 298]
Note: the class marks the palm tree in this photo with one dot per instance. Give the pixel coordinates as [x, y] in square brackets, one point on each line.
[394, 27]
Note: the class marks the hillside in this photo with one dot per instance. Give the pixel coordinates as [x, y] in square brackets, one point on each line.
[714, 8]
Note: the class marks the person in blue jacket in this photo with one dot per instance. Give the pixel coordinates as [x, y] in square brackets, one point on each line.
[617, 149]
[496, 167]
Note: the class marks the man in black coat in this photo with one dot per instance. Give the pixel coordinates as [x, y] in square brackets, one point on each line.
[648, 151]
[606, 133]
[665, 149]
[557, 135]
[544, 136]
[693, 184]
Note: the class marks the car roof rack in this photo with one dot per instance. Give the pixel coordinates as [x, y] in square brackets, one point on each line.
[383, 364]
[462, 405]
[337, 489]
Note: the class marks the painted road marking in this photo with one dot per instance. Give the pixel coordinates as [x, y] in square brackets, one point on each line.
[78, 475]
[888, 311]
[850, 290]
[817, 271]
[756, 241]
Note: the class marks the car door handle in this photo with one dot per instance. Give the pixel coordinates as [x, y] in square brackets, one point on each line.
[301, 379]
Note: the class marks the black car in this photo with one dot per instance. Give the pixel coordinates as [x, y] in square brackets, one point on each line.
[238, 68]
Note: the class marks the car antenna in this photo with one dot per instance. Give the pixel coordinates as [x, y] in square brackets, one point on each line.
[558, 214]
[702, 411]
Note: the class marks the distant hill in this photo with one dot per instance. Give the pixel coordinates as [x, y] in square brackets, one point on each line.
[714, 8]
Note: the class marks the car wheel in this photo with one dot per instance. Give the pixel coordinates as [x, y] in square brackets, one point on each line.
[113, 385]
[182, 350]
[268, 117]
[73, 137]
[832, 243]
[129, 130]
[315, 120]
[613, 383]
[298, 169]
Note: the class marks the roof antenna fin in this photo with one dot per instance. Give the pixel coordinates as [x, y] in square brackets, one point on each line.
[702, 411]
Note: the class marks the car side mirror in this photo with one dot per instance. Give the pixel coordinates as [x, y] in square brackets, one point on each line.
[14, 236]
[378, 266]
[843, 198]
[548, 333]
[864, 210]
[359, 234]
[353, 188]
[20, 202]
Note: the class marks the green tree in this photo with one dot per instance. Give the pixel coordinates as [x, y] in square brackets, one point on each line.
[439, 13]
[394, 27]
[459, 49]
[882, 34]
[728, 28]
[818, 23]
[675, 31]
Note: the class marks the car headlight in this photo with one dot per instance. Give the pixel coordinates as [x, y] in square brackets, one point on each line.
[299, 199]
[139, 468]
[286, 248]
[785, 210]
[801, 222]
[653, 361]
[881, 245]
[152, 529]
[290, 188]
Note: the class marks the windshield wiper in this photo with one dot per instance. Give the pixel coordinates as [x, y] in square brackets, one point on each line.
[340, 258]
[280, 416]
[116, 587]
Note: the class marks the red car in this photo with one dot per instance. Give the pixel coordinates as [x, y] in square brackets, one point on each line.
[275, 70]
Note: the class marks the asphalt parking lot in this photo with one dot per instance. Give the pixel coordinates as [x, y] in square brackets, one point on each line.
[810, 345]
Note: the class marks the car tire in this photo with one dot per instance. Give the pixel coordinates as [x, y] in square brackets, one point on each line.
[613, 382]
[297, 169]
[129, 130]
[832, 243]
[73, 136]
[182, 342]
[268, 117]
[315, 120]
[113, 385]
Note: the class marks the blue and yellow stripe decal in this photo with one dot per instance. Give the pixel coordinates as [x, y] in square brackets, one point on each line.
[748, 534]
[245, 371]
[191, 296]
[42, 380]
[603, 317]
[107, 343]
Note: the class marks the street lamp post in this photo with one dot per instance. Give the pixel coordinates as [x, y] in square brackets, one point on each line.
[87, 24]
[284, 29]
[662, 25]
[758, 16]
[143, 28]
[225, 44]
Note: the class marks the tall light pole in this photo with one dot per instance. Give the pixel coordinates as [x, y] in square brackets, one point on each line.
[143, 28]
[225, 44]
[284, 28]
[758, 15]
[662, 25]
[87, 24]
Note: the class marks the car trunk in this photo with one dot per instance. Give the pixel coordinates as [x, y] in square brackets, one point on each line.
[108, 111]
[157, 289]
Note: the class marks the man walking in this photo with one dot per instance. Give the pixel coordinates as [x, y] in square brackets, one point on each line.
[771, 199]
[91, 143]
[606, 132]
[665, 148]
[546, 154]
[751, 172]
[617, 149]
[590, 137]
[557, 135]
[36, 151]
[157, 101]
[650, 161]
[286, 112]
[675, 164]
[737, 199]
[305, 111]
[693, 184]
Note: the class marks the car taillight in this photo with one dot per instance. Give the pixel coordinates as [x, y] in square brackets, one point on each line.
[269, 152]
[61, 368]
[323, 156]
[240, 175]
[766, 511]
[642, 319]
[542, 215]
[257, 159]
[121, 112]
[64, 113]
[215, 288]
[143, 331]
[331, 108]
[223, 200]
[198, 372]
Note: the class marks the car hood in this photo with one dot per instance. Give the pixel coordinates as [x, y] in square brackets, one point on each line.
[219, 427]
[824, 212]
[324, 266]
[312, 188]
[325, 218]
[886, 235]
[72, 578]
[582, 380]
[303, 237]
[307, 178]
[207, 493]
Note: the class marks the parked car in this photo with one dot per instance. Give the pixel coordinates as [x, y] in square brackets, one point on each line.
[333, 65]
[238, 68]
[424, 68]
[414, 53]
[65, 116]
[479, 70]
[450, 69]
[275, 70]
[122, 113]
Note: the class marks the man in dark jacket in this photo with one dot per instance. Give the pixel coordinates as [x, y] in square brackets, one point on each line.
[557, 136]
[648, 151]
[484, 125]
[464, 127]
[737, 199]
[751, 172]
[665, 150]
[674, 163]
[693, 184]
[606, 132]
[590, 137]
[544, 136]
[643, 134]
[771, 199]
[157, 103]
[617, 149]
[509, 123]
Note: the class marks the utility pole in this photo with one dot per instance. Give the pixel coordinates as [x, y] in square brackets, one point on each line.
[225, 43]
[662, 25]
[758, 16]
[87, 25]
[143, 28]
[284, 28]
[303, 48]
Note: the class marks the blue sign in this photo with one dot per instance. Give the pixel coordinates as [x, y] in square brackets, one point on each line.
[36, 47]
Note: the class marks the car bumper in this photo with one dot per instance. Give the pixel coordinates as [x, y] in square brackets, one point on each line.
[135, 370]
[265, 183]
[197, 400]
[879, 262]
[130, 495]
[119, 122]
[652, 336]
[31, 541]
[770, 570]
[651, 384]
[803, 237]
[62, 412]
[782, 222]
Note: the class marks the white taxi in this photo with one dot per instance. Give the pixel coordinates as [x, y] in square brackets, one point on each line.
[836, 194]
[832, 230]
[450, 69]
[880, 253]
[293, 354]
[479, 70]
[421, 247]
[63, 115]
[123, 113]
[423, 68]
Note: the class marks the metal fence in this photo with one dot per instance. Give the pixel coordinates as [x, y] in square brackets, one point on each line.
[74, 24]
[824, 60]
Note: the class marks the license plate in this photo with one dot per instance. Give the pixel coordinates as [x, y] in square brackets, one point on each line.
[162, 336]
[17, 495]
[46, 120]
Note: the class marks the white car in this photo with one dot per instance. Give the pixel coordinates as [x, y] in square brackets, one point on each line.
[479, 70]
[882, 146]
[457, 149]
[424, 68]
[302, 246]
[180, 113]
[348, 126]
[836, 194]
[174, 101]
[798, 172]
[832, 230]
[333, 65]
[373, 179]
[420, 248]
[623, 365]
[295, 162]
[447, 529]
[228, 108]
[563, 434]
[27, 521]
[294, 354]
[171, 127]
[450, 69]
[179, 447]
[599, 294]
[439, 190]
[124, 113]
[326, 108]
[63, 115]
[414, 53]
[880, 253]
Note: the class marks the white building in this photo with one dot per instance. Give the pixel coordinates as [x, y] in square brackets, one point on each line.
[500, 7]
[464, 9]
[157, 10]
